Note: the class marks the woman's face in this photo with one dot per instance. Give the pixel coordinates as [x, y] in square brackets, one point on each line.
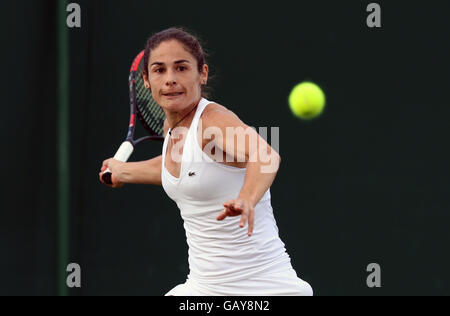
[173, 76]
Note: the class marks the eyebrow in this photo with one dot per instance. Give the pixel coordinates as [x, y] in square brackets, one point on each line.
[177, 62]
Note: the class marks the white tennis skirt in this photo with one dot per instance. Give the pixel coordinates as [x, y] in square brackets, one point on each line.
[285, 283]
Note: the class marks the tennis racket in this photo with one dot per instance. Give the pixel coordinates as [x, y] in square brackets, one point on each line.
[143, 106]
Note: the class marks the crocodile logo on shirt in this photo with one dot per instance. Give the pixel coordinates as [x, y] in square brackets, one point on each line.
[191, 173]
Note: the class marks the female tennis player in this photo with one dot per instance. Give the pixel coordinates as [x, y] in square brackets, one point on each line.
[217, 198]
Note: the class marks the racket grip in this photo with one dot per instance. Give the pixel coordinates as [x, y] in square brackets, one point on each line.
[106, 177]
[124, 152]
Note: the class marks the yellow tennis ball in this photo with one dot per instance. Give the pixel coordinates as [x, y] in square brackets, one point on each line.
[307, 100]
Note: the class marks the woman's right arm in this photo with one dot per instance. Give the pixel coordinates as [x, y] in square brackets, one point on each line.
[143, 172]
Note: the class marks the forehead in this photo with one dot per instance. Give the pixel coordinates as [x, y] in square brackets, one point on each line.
[170, 51]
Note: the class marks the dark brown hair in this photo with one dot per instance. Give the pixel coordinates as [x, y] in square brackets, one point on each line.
[189, 41]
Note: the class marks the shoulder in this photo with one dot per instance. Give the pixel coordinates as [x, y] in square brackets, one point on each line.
[218, 115]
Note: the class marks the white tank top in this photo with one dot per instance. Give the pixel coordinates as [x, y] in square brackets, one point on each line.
[220, 251]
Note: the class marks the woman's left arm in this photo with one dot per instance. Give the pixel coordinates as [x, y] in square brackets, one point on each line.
[244, 144]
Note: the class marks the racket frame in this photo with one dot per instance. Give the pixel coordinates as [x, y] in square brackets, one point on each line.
[127, 147]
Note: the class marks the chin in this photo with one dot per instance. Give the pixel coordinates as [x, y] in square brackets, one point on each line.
[176, 104]
[173, 106]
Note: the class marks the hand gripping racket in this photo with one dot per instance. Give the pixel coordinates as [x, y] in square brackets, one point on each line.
[145, 108]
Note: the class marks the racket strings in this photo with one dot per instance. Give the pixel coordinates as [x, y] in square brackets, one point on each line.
[148, 111]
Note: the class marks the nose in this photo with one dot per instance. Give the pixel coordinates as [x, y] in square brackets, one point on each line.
[171, 79]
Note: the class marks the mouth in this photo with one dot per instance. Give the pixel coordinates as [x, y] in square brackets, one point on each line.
[173, 94]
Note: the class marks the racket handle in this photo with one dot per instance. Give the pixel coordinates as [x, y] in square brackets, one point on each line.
[106, 177]
[124, 152]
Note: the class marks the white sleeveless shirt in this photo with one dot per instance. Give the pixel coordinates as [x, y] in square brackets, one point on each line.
[220, 251]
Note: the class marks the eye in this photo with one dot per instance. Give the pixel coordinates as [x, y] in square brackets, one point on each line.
[181, 68]
[158, 70]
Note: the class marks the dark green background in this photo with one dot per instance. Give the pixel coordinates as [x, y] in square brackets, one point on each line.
[367, 182]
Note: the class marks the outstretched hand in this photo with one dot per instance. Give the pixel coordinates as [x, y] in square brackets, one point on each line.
[239, 207]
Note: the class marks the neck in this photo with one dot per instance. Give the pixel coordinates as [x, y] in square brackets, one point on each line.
[174, 117]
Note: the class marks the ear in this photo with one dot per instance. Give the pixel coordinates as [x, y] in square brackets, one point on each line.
[204, 74]
[146, 81]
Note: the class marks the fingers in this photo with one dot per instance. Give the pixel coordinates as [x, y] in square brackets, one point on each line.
[115, 182]
[248, 216]
[243, 220]
[104, 166]
[105, 163]
[222, 216]
[102, 170]
[236, 208]
[231, 210]
[227, 212]
[251, 219]
[229, 204]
